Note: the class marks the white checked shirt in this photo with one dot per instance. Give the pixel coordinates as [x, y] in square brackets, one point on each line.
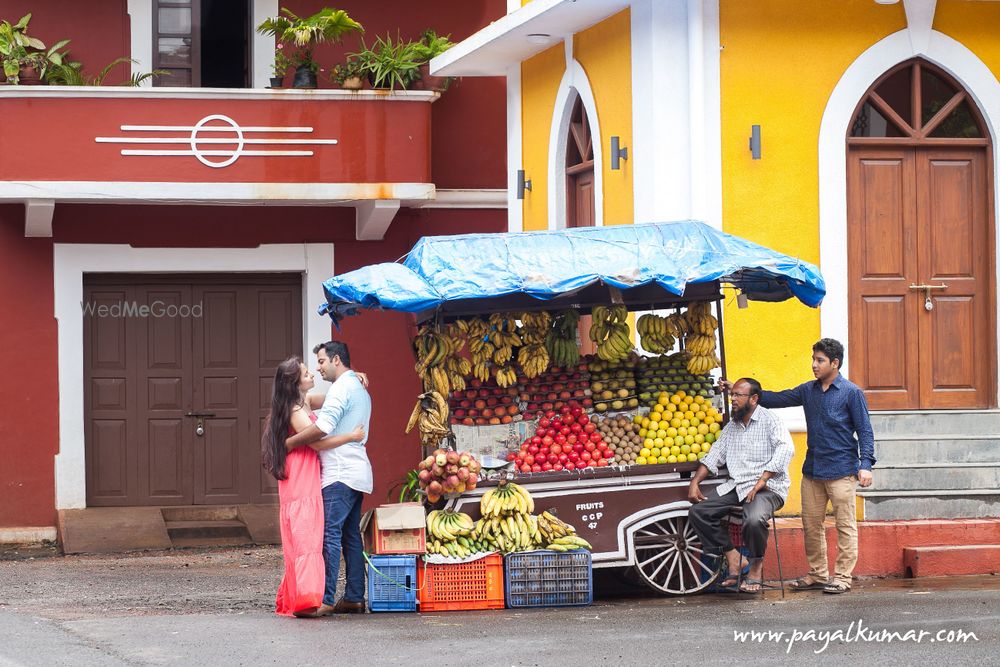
[747, 451]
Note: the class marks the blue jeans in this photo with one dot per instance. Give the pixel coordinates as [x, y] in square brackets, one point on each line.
[342, 529]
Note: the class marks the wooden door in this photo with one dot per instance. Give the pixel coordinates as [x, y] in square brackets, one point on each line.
[919, 203]
[953, 252]
[177, 42]
[151, 380]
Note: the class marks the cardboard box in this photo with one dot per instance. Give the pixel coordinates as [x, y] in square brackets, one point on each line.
[397, 529]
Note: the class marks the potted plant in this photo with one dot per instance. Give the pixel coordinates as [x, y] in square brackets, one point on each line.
[326, 25]
[431, 45]
[388, 63]
[72, 74]
[279, 66]
[24, 58]
[349, 75]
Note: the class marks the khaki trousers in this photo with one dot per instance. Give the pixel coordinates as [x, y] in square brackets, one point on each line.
[841, 494]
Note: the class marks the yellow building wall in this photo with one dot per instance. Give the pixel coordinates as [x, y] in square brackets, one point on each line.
[780, 61]
[604, 53]
[974, 24]
[540, 77]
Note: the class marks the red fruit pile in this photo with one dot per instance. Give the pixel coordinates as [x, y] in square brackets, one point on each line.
[447, 471]
[483, 403]
[564, 440]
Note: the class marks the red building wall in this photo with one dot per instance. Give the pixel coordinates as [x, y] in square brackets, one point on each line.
[468, 139]
[29, 400]
[379, 342]
[98, 30]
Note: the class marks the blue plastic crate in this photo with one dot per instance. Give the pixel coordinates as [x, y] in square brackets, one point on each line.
[394, 586]
[549, 579]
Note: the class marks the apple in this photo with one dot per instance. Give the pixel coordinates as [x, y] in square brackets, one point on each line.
[468, 421]
[480, 421]
[512, 456]
[459, 413]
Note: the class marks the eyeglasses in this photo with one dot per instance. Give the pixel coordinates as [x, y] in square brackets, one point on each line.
[735, 394]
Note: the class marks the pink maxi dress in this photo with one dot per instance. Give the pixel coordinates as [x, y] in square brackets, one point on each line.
[301, 503]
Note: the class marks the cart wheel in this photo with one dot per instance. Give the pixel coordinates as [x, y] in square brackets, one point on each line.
[669, 556]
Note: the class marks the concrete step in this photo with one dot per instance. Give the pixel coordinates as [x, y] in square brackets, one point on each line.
[200, 530]
[894, 505]
[189, 542]
[946, 561]
[937, 476]
[201, 513]
[930, 423]
[951, 448]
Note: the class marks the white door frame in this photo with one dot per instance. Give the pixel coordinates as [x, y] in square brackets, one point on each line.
[71, 261]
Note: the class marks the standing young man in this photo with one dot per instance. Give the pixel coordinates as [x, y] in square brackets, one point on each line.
[346, 476]
[840, 456]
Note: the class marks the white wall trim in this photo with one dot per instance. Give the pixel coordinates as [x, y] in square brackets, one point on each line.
[945, 52]
[28, 535]
[677, 156]
[574, 82]
[140, 14]
[72, 260]
[515, 208]
[261, 46]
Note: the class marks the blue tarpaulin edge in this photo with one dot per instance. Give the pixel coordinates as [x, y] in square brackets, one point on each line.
[544, 265]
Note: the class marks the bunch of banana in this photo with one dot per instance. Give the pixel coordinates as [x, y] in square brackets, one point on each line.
[504, 337]
[677, 325]
[700, 319]
[456, 366]
[561, 339]
[480, 347]
[568, 543]
[552, 527]
[533, 356]
[700, 343]
[701, 364]
[505, 499]
[514, 532]
[434, 348]
[655, 336]
[506, 375]
[610, 332]
[450, 534]
[430, 416]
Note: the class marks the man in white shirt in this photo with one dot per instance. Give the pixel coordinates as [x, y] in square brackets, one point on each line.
[756, 448]
[346, 476]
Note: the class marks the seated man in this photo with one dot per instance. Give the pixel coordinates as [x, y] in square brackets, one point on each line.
[756, 447]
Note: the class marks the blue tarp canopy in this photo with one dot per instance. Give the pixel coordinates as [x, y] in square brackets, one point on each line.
[652, 264]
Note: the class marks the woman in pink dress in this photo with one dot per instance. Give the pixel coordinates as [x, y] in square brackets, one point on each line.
[299, 493]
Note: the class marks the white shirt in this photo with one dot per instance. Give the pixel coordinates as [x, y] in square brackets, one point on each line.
[747, 451]
[347, 405]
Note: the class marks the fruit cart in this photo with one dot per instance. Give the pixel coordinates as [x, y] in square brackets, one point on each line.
[631, 507]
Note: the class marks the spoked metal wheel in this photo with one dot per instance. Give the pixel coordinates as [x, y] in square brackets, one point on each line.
[669, 556]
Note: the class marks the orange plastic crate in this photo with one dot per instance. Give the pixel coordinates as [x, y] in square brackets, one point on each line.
[462, 586]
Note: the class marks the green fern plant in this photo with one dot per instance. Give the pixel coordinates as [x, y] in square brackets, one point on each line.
[326, 25]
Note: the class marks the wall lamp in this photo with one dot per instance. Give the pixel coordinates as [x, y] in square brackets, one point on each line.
[617, 153]
[755, 142]
[522, 184]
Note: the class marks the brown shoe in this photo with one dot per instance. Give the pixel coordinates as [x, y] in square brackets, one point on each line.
[325, 610]
[347, 607]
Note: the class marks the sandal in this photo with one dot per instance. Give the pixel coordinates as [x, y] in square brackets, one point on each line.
[836, 588]
[807, 584]
[752, 586]
[731, 580]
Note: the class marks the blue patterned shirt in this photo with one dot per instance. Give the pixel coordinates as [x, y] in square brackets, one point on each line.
[839, 431]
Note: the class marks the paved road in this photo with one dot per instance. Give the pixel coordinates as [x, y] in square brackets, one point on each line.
[212, 607]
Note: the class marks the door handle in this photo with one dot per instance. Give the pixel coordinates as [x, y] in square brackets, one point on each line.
[928, 304]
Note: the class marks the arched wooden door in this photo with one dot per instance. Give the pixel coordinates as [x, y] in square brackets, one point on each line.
[920, 240]
[580, 200]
